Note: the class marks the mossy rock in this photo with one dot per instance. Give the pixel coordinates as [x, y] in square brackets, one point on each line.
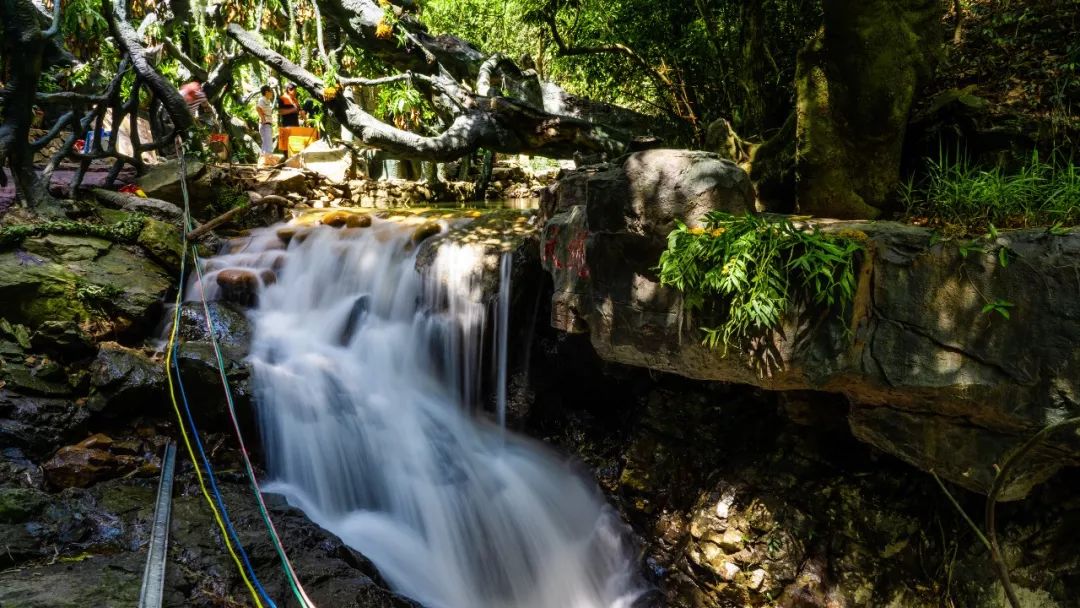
[164, 242]
[96, 284]
[64, 248]
[37, 289]
[18, 505]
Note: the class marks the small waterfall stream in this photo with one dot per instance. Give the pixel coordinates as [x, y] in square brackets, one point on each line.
[368, 378]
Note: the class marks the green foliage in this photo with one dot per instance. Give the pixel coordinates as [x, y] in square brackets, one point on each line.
[746, 271]
[229, 197]
[959, 193]
[124, 231]
[723, 58]
[403, 105]
[999, 306]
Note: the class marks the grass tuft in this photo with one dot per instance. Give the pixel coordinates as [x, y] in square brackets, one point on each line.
[957, 193]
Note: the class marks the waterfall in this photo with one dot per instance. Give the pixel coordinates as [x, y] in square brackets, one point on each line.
[502, 342]
[367, 382]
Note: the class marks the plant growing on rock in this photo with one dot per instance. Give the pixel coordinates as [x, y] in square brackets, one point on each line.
[746, 271]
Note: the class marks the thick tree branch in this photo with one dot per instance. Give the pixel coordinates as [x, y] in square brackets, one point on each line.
[52, 133]
[454, 58]
[130, 43]
[54, 28]
[70, 98]
[197, 71]
[24, 42]
[495, 123]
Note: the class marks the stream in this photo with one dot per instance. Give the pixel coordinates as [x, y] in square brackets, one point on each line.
[370, 393]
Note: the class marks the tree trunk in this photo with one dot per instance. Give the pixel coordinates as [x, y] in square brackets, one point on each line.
[26, 46]
[753, 73]
[855, 84]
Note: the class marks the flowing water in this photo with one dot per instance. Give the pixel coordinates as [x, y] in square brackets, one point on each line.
[368, 383]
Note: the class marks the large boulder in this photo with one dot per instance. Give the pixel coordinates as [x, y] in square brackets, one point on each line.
[203, 183]
[933, 376]
[103, 287]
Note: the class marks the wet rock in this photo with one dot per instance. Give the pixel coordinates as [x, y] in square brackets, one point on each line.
[337, 219]
[18, 505]
[164, 242]
[239, 285]
[19, 546]
[37, 425]
[88, 462]
[35, 374]
[425, 231]
[126, 381]
[198, 365]
[64, 339]
[230, 324]
[18, 471]
[107, 581]
[288, 233]
[357, 314]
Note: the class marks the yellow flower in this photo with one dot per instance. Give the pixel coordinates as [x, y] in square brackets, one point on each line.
[698, 230]
[718, 231]
[384, 30]
[329, 93]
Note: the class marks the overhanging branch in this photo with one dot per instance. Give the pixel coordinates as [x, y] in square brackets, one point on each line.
[495, 123]
[130, 43]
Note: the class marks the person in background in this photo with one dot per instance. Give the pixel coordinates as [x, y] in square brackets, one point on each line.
[265, 109]
[197, 102]
[289, 107]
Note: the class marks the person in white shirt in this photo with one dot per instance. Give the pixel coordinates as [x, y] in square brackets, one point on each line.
[265, 108]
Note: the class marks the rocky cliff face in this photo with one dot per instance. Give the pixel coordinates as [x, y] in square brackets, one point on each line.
[933, 374]
[747, 497]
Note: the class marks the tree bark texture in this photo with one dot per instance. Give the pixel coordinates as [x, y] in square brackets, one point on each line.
[130, 42]
[30, 49]
[855, 85]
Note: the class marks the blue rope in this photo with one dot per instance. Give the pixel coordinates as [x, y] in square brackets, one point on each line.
[213, 480]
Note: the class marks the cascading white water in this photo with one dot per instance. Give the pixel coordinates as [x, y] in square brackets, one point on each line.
[366, 373]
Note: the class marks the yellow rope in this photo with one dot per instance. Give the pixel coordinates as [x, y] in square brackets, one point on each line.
[187, 442]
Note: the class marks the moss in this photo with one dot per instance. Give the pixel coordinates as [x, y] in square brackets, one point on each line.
[125, 230]
[19, 504]
[163, 241]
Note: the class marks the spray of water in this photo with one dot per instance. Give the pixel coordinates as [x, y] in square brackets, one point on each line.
[367, 378]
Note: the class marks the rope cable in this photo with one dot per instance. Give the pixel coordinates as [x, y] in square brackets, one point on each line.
[213, 480]
[290, 573]
[187, 440]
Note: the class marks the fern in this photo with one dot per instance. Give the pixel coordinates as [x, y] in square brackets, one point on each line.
[745, 271]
